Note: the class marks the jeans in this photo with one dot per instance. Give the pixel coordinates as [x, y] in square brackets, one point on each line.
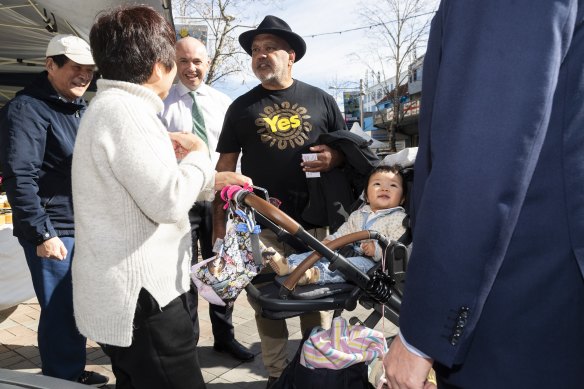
[327, 276]
[61, 346]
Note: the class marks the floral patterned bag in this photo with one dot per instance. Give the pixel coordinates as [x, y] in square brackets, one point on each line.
[233, 268]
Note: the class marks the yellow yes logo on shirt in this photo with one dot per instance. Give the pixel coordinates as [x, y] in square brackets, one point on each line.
[278, 123]
[284, 125]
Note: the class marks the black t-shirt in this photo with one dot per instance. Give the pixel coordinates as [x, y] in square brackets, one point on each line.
[272, 129]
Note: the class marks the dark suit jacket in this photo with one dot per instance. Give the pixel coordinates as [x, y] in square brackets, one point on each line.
[499, 186]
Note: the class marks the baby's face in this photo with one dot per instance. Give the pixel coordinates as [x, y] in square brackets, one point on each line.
[385, 190]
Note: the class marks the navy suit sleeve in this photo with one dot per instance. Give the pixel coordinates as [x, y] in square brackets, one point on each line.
[23, 148]
[490, 75]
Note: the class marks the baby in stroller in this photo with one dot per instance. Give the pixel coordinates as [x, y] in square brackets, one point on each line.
[382, 212]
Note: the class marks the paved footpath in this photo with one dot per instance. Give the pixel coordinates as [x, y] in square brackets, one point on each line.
[19, 350]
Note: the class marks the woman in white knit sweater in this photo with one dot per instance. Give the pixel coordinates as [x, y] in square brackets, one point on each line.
[131, 202]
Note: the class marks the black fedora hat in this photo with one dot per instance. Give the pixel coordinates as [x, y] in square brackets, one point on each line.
[275, 26]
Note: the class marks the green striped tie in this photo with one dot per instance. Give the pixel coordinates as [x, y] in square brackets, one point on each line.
[198, 121]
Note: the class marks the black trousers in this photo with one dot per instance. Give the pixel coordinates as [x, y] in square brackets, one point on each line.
[201, 219]
[163, 353]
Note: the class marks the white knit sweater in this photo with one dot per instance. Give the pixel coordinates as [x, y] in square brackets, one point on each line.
[131, 200]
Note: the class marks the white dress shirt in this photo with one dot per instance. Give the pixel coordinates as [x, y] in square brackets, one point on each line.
[212, 103]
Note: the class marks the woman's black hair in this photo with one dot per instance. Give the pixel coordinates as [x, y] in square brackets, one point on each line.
[128, 41]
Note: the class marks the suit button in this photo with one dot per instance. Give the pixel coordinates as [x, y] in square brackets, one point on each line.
[459, 324]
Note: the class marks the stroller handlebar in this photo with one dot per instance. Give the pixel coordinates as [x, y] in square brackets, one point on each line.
[268, 210]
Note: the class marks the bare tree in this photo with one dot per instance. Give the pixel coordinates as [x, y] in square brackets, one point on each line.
[399, 27]
[226, 55]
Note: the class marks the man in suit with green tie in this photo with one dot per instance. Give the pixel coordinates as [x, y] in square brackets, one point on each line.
[194, 106]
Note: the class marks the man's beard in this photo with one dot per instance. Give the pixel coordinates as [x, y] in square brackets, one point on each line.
[268, 75]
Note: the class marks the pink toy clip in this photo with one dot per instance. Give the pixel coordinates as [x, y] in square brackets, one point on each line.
[229, 191]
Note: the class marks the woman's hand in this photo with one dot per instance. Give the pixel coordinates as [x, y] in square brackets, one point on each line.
[185, 142]
[223, 179]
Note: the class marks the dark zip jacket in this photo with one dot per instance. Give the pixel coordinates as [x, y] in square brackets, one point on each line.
[37, 135]
[333, 196]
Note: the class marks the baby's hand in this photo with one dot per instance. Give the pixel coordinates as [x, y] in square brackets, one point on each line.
[368, 248]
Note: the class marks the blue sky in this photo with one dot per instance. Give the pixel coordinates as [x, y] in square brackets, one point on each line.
[329, 59]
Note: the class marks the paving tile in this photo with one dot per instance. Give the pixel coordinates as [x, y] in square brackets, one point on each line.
[25, 340]
[207, 377]
[8, 323]
[36, 360]
[21, 332]
[34, 314]
[6, 313]
[92, 344]
[20, 318]
[31, 325]
[25, 366]
[18, 347]
[239, 376]
[5, 355]
[95, 353]
[102, 361]
[220, 383]
[28, 352]
[12, 360]
[256, 384]
[7, 338]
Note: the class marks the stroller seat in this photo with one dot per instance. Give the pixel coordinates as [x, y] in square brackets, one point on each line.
[306, 299]
[314, 291]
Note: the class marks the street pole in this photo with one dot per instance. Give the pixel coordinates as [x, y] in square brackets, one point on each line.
[361, 93]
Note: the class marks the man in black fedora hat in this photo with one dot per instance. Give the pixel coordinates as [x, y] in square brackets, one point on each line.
[272, 125]
[274, 26]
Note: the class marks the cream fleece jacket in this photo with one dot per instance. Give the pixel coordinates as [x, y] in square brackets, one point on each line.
[388, 222]
[131, 200]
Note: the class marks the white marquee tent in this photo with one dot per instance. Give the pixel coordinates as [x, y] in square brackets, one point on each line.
[26, 26]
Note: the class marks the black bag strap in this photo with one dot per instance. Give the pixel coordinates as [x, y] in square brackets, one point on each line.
[255, 249]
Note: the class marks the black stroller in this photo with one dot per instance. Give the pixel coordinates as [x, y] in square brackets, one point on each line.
[380, 289]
